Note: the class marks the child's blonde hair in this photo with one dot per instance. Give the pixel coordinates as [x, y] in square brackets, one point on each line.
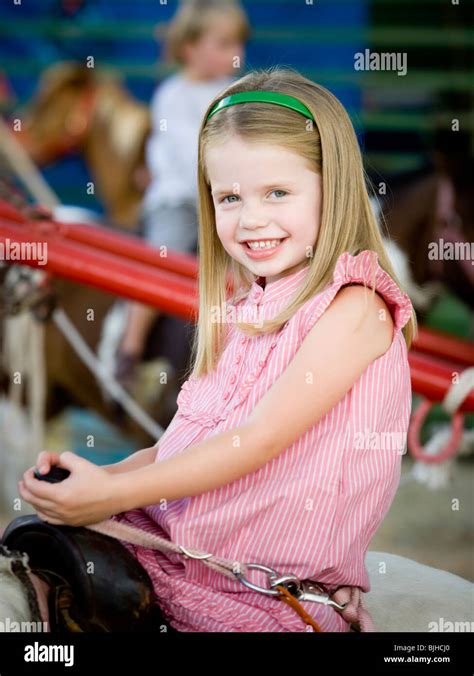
[347, 224]
[192, 20]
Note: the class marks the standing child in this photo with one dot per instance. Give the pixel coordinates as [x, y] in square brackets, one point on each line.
[205, 38]
[286, 448]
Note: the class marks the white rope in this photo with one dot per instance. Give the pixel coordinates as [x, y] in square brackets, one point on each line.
[37, 381]
[435, 475]
[24, 352]
[459, 391]
[100, 371]
[22, 425]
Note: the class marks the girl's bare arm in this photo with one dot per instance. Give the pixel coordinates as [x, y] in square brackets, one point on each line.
[146, 456]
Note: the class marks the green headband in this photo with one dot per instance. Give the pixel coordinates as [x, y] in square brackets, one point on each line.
[262, 97]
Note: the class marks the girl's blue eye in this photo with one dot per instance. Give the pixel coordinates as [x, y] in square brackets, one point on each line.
[224, 198]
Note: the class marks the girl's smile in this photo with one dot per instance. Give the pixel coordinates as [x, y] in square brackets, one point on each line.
[265, 248]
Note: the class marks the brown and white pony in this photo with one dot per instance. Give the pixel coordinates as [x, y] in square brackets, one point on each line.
[436, 208]
[80, 109]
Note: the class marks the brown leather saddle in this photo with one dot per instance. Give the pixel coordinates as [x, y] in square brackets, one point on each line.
[96, 584]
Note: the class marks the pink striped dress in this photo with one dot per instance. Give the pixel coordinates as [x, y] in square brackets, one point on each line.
[311, 511]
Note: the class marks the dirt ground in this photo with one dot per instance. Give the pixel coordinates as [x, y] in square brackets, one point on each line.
[421, 524]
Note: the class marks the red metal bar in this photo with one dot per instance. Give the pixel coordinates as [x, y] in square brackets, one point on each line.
[9, 212]
[119, 243]
[444, 345]
[122, 244]
[170, 292]
[432, 378]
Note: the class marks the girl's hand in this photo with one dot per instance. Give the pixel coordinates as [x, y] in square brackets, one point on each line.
[88, 495]
[46, 460]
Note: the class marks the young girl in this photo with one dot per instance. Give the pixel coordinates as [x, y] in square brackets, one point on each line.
[287, 444]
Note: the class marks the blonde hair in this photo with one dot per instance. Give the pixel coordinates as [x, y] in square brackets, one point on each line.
[348, 223]
[192, 20]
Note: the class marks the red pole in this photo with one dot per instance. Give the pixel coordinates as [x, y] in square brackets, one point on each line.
[444, 345]
[106, 239]
[433, 378]
[170, 292]
[9, 212]
[122, 244]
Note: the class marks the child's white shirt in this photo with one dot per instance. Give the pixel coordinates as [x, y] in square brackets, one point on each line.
[177, 108]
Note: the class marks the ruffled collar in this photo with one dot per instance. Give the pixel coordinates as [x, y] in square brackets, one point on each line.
[280, 288]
